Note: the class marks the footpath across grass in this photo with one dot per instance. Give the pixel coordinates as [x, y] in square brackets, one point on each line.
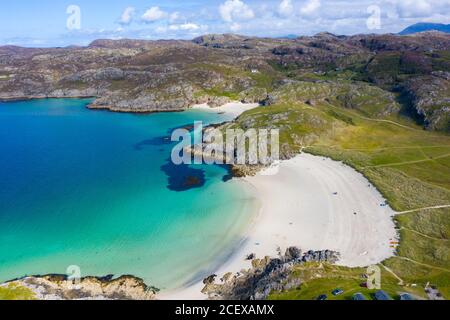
[408, 165]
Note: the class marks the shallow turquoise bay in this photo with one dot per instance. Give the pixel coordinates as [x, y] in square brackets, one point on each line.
[86, 188]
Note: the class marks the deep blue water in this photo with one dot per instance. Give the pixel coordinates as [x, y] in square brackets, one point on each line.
[95, 189]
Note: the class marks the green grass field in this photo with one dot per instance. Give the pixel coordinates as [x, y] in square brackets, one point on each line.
[410, 167]
[321, 279]
[16, 292]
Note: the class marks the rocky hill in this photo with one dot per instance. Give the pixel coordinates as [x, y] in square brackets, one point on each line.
[171, 75]
[423, 26]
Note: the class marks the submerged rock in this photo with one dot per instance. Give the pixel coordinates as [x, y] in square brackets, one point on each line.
[192, 181]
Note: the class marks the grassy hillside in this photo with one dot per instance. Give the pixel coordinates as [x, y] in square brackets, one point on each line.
[324, 278]
[409, 165]
[15, 292]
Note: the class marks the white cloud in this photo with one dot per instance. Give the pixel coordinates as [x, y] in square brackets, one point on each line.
[235, 27]
[310, 7]
[414, 8]
[260, 18]
[161, 29]
[154, 14]
[185, 27]
[179, 31]
[127, 16]
[286, 9]
[232, 10]
[174, 17]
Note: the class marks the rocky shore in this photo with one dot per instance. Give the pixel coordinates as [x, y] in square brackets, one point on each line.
[256, 283]
[266, 275]
[59, 287]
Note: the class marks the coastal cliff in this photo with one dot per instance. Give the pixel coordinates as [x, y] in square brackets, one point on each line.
[59, 287]
[266, 275]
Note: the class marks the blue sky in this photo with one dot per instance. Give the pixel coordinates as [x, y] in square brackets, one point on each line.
[48, 23]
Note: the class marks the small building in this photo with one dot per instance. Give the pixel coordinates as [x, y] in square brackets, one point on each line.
[381, 295]
[359, 296]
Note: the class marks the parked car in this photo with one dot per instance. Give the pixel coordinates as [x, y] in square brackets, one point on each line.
[406, 296]
[358, 296]
[381, 295]
[322, 297]
[337, 292]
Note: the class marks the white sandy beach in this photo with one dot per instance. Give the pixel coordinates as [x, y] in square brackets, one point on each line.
[313, 203]
[234, 109]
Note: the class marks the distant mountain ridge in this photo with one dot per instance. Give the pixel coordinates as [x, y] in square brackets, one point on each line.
[171, 75]
[421, 27]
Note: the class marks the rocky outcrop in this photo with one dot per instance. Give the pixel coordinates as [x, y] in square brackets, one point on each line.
[59, 287]
[240, 171]
[151, 76]
[266, 275]
[429, 98]
[223, 156]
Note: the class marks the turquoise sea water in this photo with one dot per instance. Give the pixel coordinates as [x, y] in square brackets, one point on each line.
[90, 188]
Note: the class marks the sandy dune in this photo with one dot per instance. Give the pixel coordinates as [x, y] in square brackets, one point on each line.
[313, 203]
[317, 203]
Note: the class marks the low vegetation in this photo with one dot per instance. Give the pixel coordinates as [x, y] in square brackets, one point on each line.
[15, 292]
[408, 165]
[319, 279]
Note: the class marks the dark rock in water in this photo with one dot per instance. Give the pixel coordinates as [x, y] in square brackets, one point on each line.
[229, 175]
[158, 141]
[188, 127]
[191, 181]
[182, 177]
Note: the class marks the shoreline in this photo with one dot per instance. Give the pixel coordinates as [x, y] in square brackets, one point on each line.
[28, 98]
[308, 202]
[313, 203]
[237, 108]
[234, 109]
